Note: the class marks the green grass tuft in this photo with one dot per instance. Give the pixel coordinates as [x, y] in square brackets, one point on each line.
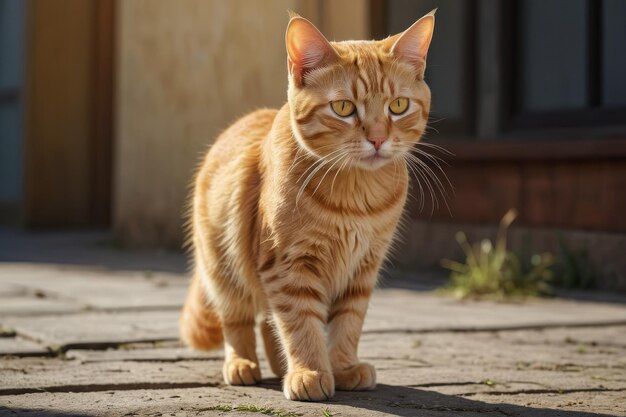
[493, 271]
[218, 408]
[264, 410]
[488, 382]
[268, 411]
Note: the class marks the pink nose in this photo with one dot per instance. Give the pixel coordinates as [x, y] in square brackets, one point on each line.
[377, 141]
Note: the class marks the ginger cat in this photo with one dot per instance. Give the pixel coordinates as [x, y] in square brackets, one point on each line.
[294, 211]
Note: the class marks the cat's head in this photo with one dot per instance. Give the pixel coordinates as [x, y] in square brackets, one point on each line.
[362, 102]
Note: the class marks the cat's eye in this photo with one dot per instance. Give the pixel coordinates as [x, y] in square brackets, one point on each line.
[343, 108]
[399, 105]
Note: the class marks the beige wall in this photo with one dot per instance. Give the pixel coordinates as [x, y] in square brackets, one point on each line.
[185, 70]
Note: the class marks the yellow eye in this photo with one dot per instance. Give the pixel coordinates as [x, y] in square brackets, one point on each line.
[399, 105]
[343, 108]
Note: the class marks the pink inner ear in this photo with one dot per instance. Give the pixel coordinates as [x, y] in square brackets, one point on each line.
[313, 54]
[307, 49]
[412, 46]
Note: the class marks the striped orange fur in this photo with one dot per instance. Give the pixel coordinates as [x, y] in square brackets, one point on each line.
[294, 211]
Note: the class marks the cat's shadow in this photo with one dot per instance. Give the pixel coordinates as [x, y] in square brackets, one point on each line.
[412, 402]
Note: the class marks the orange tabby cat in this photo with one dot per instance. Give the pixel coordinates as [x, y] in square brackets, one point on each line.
[294, 211]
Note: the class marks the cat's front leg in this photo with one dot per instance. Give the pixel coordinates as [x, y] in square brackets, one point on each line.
[241, 366]
[345, 322]
[299, 306]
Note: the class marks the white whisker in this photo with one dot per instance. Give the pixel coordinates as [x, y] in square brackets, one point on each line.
[332, 185]
[343, 155]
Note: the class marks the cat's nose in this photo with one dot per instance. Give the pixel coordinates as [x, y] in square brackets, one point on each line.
[377, 133]
[377, 141]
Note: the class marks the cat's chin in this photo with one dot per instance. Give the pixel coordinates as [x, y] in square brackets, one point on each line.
[374, 162]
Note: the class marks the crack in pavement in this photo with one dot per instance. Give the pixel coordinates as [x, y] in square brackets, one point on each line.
[543, 391]
[149, 360]
[88, 308]
[610, 323]
[444, 384]
[109, 345]
[444, 408]
[108, 387]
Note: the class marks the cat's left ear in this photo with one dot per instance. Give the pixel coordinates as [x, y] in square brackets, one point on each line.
[307, 49]
[412, 44]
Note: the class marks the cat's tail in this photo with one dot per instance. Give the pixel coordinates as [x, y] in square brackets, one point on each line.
[200, 326]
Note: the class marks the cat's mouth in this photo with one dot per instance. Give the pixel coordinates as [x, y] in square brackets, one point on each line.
[375, 160]
[375, 157]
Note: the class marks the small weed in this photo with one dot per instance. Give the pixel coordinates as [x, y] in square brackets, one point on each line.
[57, 350]
[126, 346]
[264, 410]
[491, 270]
[326, 413]
[251, 408]
[218, 408]
[488, 382]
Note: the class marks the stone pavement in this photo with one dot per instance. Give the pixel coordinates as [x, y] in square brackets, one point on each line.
[102, 341]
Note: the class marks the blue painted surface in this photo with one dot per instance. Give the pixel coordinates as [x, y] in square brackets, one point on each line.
[11, 69]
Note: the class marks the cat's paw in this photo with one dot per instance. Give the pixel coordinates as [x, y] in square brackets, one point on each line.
[306, 385]
[360, 377]
[240, 371]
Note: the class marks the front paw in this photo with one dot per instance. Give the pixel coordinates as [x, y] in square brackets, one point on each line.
[306, 385]
[360, 377]
[240, 371]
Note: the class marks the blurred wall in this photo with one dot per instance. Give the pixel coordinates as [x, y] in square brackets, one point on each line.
[66, 98]
[186, 70]
[11, 67]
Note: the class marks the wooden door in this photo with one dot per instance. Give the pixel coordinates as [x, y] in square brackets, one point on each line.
[68, 113]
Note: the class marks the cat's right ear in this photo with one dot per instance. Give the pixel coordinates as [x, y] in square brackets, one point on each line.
[412, 44]
[307, 49]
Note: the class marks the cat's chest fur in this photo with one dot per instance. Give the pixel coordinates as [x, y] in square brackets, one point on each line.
[360, 240]
[338, 245]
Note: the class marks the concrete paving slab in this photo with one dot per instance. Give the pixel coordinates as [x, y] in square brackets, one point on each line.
[100, 329]
[551, 349]
[435, 356]
[57, 375]
[393, 310]
[387, 400]
[444, 373]
[566, 404]
[8, 289]
[410, 313]
[16, 346]
[99, 288]
[173, 354]
[22, 305]
[466, 380]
